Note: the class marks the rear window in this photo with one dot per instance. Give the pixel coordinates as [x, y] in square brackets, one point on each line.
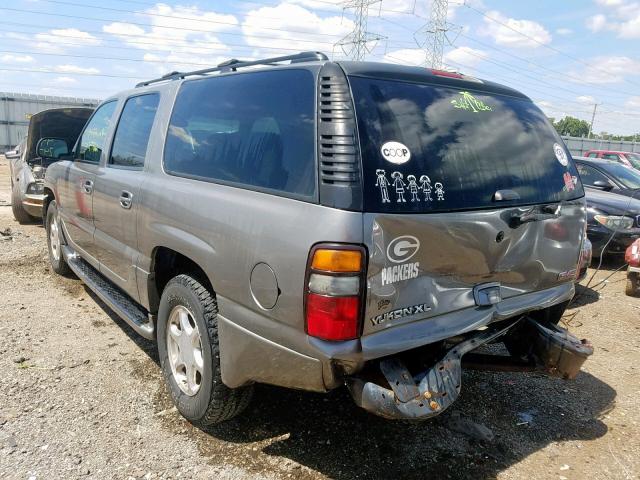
[427, 148]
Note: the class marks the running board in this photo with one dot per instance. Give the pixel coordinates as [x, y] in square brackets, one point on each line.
[119, 302]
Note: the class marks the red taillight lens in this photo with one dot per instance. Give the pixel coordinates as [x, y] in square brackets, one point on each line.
[334, 287]
[333, 318]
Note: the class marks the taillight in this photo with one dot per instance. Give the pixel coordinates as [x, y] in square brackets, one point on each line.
[334, 290]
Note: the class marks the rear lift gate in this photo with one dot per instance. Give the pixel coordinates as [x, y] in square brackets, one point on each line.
[400, 394]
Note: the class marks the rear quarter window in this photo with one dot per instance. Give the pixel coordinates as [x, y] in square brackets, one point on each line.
[253, 129]
[429, 148]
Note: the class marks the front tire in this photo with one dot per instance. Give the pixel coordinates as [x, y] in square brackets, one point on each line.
[55, 240]
[19, 213]
[188, 347]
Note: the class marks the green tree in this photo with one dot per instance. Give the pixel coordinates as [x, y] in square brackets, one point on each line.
[572, 126]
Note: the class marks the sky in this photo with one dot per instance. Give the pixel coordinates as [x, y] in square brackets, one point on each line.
[566, 55]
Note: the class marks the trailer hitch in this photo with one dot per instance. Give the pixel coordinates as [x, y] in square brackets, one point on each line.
[429, 393]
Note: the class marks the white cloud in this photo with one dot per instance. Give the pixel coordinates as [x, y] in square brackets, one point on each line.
[633, 103]
[75, 69]
[596, 23]
[58, 40]
[123, 29]
[406, 56]
[564, 31]
[586, 99]
[279, 23]
[624, 18]
[181, 38]
[608, 70]
[466, 56]
[505, 31]
[65, 80]
[16, 58]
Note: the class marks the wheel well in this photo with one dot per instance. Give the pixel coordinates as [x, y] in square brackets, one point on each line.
[45, 205]
[168, 263]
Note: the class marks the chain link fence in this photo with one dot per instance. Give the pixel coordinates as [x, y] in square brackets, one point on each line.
[579, 145]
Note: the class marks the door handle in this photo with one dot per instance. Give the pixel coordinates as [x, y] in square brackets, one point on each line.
[87, 187]
[126, 199]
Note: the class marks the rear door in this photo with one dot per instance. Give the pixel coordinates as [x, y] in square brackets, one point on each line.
[76, 194]
[447, 174]
[116, 192]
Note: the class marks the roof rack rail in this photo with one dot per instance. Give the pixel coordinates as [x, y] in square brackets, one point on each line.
[233, 64]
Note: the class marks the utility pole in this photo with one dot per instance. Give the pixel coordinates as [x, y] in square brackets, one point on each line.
[593, 117]
[433, 36]
[355, 44]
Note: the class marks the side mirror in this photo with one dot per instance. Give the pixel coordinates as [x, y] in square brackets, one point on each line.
[603, 185]
[52, 148]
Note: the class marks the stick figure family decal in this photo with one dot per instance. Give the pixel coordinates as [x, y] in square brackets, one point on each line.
[411, 184]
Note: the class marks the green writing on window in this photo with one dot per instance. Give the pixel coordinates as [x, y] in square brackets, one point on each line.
[470, 103]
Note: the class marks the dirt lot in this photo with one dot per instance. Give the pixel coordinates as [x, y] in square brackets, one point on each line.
[81, 397]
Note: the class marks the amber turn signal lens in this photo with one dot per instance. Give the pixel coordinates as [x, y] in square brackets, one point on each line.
[337, 260]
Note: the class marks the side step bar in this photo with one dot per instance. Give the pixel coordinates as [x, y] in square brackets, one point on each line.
[125, 308]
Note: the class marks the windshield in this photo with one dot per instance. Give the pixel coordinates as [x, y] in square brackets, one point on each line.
[634, 159]
[627, 176]
[430, 148]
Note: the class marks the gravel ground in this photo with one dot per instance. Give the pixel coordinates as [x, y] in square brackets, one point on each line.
[81, 396]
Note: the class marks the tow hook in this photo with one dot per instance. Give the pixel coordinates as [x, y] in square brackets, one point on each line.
[427, 394]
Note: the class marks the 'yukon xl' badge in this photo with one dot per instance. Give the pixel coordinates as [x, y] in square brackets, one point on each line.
[400, 313]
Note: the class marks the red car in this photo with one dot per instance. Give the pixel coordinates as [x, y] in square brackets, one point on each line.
[629, 159]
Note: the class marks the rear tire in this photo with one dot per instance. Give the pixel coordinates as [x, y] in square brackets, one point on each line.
[189, 352]
[19, 213]
[55, 240]
[631, 287]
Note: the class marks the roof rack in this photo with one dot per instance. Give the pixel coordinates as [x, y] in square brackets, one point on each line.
[233, 64]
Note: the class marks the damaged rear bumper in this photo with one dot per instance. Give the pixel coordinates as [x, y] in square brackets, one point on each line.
[407, 396]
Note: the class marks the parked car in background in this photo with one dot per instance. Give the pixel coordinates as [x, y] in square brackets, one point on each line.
[51, 136]
[608, 176]
[609, 213]
[632, 258]
[312, 224]
[630, 159]
[15, 153]
[586, 256]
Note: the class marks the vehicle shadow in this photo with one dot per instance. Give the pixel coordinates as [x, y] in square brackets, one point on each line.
[328, 434]
[584, 296]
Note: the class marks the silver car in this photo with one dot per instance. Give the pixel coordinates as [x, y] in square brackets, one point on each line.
[304, 223]
[51, 135]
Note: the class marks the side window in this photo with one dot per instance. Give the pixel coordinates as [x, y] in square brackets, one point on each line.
[95, 134]
[611, 156]
[593, 155]
[255, 129]
[590, 175]
[133, 130]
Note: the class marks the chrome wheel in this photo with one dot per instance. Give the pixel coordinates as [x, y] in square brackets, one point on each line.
[54, 238]
[184, 348]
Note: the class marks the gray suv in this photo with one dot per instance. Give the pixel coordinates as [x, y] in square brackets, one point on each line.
[305, 223]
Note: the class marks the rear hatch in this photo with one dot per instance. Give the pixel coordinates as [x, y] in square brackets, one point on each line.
[462, 189]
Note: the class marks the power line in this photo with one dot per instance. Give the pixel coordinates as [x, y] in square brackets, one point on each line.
[170, 27]
[102, 36]
[533, 39]
[58, 72]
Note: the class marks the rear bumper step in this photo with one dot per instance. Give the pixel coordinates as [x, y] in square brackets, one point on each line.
[125, 308]
[429, 393]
